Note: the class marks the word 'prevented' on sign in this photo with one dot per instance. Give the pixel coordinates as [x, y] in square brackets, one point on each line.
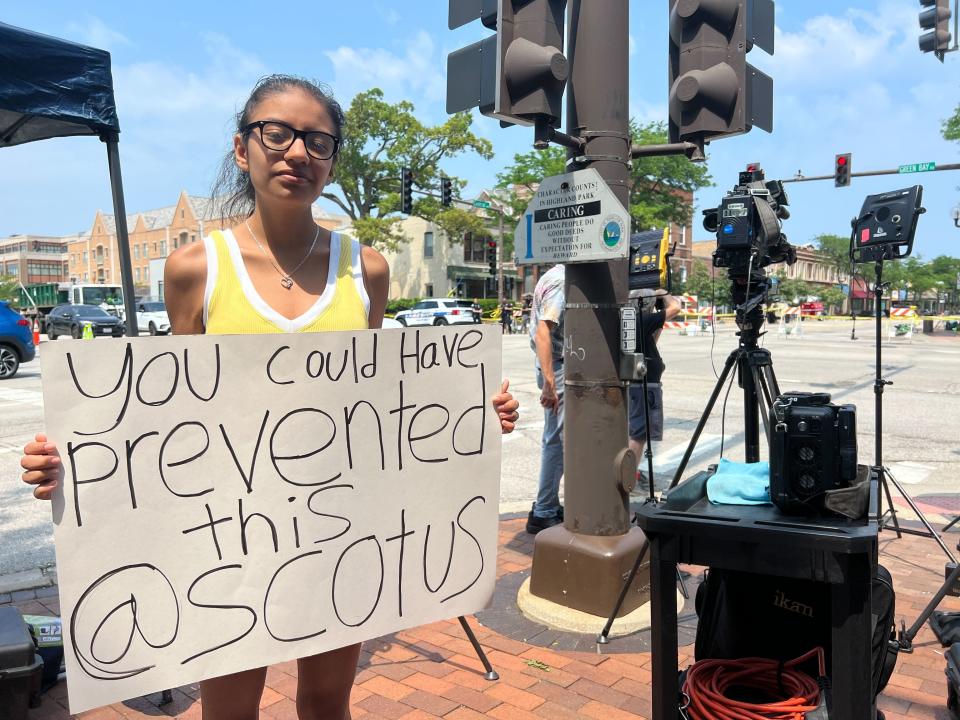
[234, 501]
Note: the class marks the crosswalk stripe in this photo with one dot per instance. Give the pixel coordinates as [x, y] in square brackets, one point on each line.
[23, 397]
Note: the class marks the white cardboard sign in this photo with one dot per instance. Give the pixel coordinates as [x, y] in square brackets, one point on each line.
[235, 501]
[573, 217]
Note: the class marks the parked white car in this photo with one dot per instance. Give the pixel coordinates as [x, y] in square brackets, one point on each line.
[152, 318]
[436, 311]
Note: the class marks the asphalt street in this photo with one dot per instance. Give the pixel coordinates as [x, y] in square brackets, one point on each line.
[921, 417]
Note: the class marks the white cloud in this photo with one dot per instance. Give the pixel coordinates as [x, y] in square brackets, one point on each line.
[828, 49]
[413, 75]
[388, 14]
[633, 44]
[94, 32]
[214, 87]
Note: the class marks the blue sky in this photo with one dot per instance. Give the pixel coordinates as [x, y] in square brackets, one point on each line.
[848, 77]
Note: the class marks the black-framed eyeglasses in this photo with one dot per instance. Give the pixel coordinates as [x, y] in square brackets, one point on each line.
[279, 136]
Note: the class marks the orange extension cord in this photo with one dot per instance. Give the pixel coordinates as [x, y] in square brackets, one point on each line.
[708, 681]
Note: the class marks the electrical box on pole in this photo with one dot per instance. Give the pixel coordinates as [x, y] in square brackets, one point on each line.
[714, 91]
[841, 170]
[517, 75]
[406, 191]
[936, 20]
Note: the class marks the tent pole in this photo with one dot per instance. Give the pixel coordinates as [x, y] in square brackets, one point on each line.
[123, 240]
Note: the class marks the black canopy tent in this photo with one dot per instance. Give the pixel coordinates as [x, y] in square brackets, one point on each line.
[55, 88]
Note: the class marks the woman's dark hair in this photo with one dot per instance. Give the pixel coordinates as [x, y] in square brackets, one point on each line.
[232, 191]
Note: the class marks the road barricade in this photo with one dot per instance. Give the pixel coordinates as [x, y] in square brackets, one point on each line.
[791, 323]
[900, 324]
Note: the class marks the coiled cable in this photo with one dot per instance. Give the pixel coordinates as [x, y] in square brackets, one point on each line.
[709, 682]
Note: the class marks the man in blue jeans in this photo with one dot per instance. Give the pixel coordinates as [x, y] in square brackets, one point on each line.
[546, 339]
[651, 324]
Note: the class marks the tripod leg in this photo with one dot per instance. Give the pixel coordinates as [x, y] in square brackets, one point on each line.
[763, 402]
[926, 523]
[717, 389]
[906, 636]
[893, 513]
[603, 637]
[951, 524]
[772, 379]
[769, 383]
[683, 585]
[490, 673]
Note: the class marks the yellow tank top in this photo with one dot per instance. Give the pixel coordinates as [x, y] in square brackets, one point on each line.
[232, 305]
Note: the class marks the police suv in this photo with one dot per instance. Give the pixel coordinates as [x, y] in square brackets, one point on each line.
[440, 311]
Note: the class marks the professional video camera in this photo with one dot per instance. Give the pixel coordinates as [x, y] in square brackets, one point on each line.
[747, 225]
[813, 453]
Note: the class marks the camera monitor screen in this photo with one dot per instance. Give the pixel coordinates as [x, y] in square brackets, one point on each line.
[886, 225]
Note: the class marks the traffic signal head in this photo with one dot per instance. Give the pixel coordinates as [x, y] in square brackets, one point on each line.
[519, 74]
[714, 91]
[406, 191]
[492, 255]
[936, 20]
[446, 192]
[841, 170]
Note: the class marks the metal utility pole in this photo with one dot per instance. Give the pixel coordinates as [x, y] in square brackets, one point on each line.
[500, 259]
[581, 564]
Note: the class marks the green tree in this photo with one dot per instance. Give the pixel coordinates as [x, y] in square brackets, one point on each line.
[919, 278]
[836, 251]
[379, 139]
[711, 285]
[8, 288]
[794, 290]
[951, 126]
[655, 196]
[832, 298]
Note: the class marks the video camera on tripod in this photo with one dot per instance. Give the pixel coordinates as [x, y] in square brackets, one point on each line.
[813, 444]
[748, 225]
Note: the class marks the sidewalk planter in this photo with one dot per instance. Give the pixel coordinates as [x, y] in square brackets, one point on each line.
[20, 666]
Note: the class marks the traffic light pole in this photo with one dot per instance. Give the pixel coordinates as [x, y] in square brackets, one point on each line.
[500, 260]
[581, 563]
[869, 173]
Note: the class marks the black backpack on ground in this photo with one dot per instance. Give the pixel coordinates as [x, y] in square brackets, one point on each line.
[747, 615]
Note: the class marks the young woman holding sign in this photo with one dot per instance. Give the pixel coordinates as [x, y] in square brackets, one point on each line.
[275, 271]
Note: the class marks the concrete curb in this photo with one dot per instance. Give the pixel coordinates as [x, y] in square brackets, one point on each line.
[28, 584]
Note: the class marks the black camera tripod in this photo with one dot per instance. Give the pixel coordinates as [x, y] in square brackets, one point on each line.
[906, 635]
[760, 388]
[883, 473]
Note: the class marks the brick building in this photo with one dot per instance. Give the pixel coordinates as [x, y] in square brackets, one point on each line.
[35, 258]
[153, 234]
[810, 267]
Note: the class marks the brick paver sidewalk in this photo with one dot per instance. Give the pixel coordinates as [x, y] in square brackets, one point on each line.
[432, 671]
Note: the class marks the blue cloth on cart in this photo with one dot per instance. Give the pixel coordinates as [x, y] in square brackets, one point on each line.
[737, 483]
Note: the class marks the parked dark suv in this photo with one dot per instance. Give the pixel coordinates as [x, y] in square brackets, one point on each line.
[70, 319]
[16, 341]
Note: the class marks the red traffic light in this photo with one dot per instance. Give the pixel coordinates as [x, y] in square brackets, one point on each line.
[841, 170]
[491, 244]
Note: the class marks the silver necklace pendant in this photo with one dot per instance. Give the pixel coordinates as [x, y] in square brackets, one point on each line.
[286, 279]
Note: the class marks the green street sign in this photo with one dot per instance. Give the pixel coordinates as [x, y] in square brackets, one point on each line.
[481, 204]
[918, 167]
